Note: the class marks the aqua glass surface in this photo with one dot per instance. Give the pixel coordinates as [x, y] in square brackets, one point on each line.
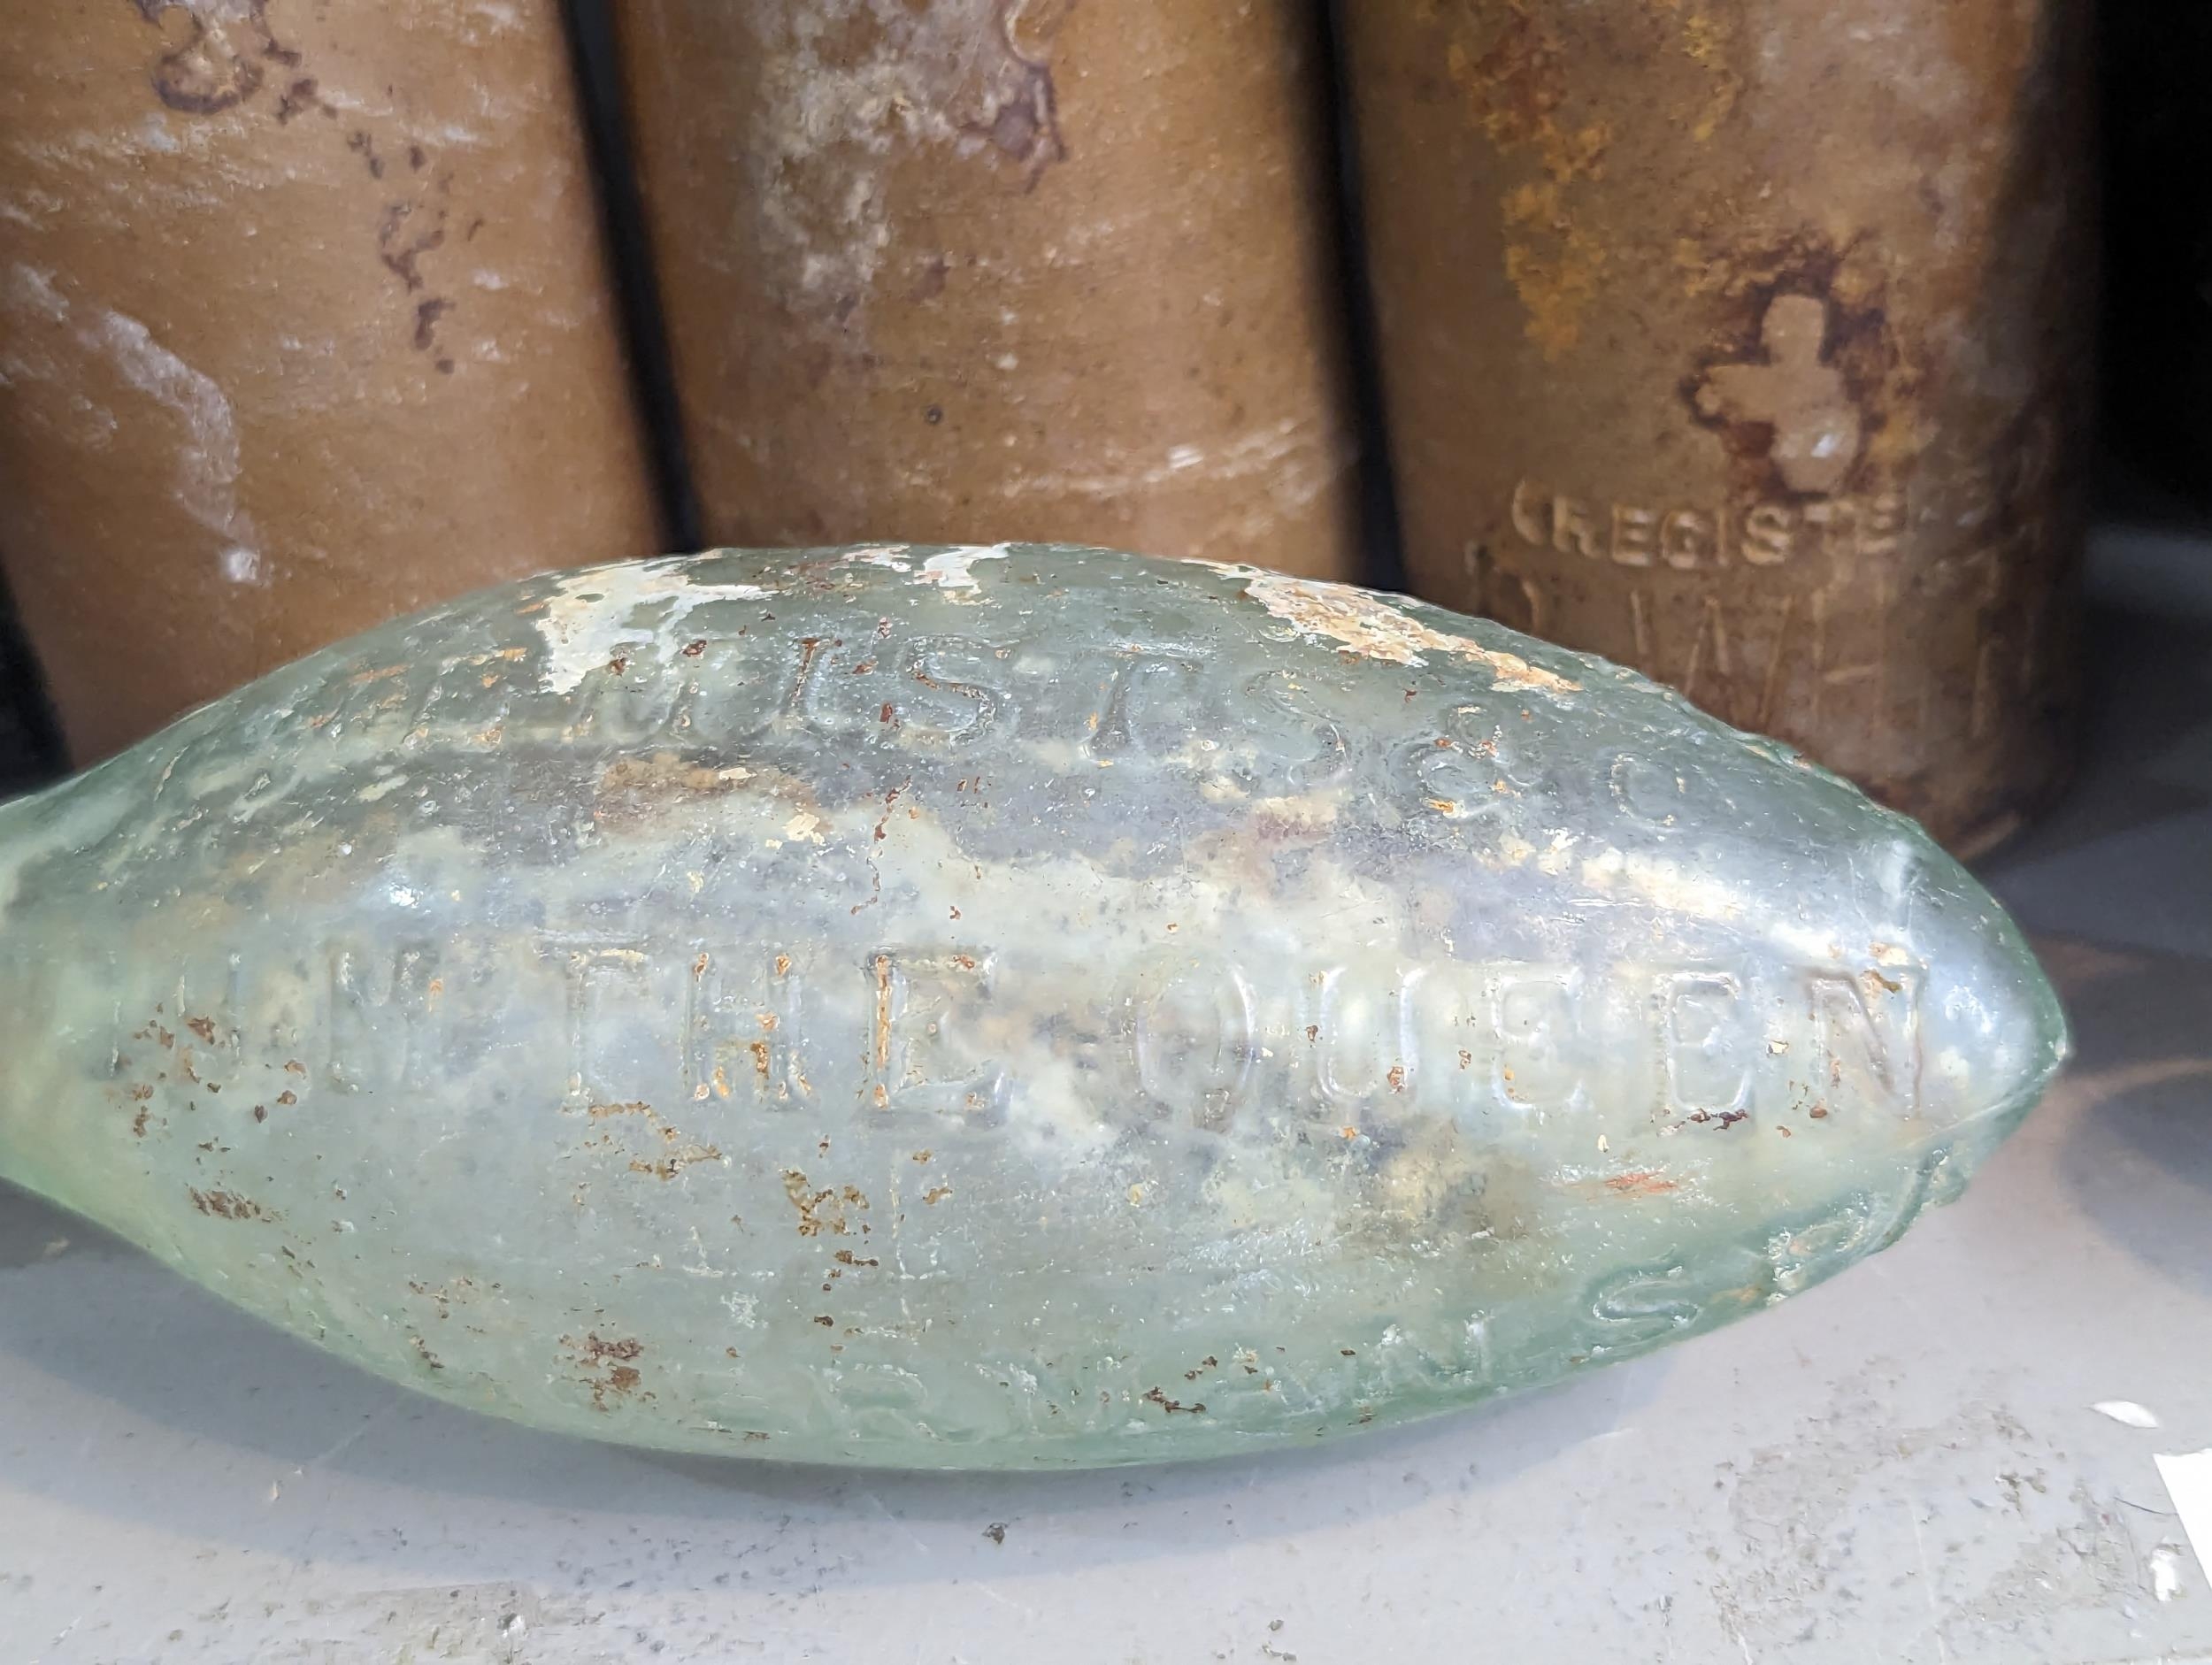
[997, 1007]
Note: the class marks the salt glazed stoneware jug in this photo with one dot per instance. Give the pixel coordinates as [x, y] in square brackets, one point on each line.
[988, 1007]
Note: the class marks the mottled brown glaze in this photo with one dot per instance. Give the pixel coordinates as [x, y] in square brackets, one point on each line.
[303, 323]
[1745, 341]
[990, 269]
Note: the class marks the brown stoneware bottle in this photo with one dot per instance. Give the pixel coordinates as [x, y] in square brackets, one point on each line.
[304, 322]
[1747, 342]
[1000, 269]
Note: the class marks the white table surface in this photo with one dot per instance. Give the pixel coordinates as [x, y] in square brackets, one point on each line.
[1902, 1466]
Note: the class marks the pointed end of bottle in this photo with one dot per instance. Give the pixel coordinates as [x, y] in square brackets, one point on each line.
[1995, 1033]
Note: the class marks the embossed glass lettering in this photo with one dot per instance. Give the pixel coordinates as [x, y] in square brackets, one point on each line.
[1009, 1005]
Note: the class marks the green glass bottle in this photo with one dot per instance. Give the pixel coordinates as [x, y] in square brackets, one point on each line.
[988, 1007]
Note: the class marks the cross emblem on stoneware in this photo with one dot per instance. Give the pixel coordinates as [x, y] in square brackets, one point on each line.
[1818, 430]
